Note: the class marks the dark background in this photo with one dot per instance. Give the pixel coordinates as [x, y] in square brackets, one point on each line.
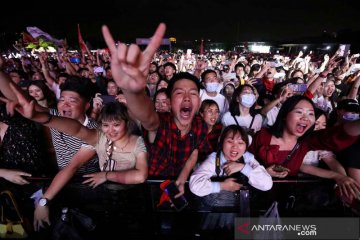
[219, 21]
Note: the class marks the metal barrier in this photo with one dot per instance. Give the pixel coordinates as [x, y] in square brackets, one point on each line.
[112, 205]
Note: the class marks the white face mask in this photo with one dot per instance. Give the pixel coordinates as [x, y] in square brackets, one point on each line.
[247, 100]
[212, 87]
[351, 116]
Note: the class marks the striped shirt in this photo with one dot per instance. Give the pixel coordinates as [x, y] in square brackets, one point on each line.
[66, 146]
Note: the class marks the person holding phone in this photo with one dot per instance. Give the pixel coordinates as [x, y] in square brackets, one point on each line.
[230, 161]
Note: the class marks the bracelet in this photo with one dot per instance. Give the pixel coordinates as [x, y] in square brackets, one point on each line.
[50, 116]
[106, 176]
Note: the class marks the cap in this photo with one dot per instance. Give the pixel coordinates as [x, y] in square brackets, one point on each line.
[349, 105]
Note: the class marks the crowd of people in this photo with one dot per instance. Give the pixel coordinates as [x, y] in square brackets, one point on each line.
[126, 115]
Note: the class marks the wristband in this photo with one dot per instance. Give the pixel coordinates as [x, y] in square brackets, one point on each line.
[36, 196]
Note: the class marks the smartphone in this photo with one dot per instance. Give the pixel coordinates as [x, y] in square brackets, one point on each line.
[298, 87]
[75, 60]
[179, 203]
[279, 168]
[108, 98]
[258, 81]
[344, 49]
[98, 69]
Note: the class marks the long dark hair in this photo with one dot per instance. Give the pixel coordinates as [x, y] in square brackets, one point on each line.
[48, 94]
[234, 104]
[278, 128]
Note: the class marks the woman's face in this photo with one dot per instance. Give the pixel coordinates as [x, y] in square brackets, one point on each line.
[162, 103]
[36, 92]
[233, 147]
[300, 119]
[298, 74]
[329, 89]
[246, 90]
[320, 123]
[210, 115]
[114, 129]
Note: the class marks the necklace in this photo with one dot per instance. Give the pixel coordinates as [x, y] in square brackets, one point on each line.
[123, 147]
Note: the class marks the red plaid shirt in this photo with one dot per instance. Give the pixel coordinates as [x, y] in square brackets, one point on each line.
[213, 139]
[214, 135]
[170, 151]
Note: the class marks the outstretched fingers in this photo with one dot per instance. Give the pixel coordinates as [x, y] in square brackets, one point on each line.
[155, 41]
[109, 39]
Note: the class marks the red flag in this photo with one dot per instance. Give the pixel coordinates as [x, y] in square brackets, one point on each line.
[27, 38]
[202, 47]
[82, 44]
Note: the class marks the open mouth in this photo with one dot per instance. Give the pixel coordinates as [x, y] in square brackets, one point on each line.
[300, 128]
[185, 112]
[234, 154]
[66, 114]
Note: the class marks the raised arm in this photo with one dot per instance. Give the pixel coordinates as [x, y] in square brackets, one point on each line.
[62, 124]
[4, 82]
[130, 68]
[354, 88]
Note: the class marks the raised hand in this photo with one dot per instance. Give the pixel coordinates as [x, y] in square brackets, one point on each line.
[23, 106]
[129, 65]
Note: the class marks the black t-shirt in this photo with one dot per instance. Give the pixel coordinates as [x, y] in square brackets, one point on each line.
[349, 157]
[20, 148]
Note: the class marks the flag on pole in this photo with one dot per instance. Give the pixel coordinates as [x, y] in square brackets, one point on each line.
[36, 32]
[82, 44]
[202, 47]
[27, 38]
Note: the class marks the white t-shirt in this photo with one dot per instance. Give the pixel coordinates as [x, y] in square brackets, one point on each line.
[244, 121]
[271, 116]
[219, 99]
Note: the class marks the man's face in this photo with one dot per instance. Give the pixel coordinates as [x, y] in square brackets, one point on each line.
[185, 102]
[169, 71]
[71, 105]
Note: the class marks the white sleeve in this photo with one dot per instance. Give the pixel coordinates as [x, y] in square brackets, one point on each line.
[257, 124]
[227, 119]
[258, 176]
[200, 181]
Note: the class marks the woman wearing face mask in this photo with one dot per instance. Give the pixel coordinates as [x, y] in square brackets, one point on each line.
[212, 88]
[242, 110]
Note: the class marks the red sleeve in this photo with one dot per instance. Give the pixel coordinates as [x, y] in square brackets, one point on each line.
[332, 139]
[308, 94]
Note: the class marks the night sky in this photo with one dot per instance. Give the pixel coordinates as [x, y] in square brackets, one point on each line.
[226, 20]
